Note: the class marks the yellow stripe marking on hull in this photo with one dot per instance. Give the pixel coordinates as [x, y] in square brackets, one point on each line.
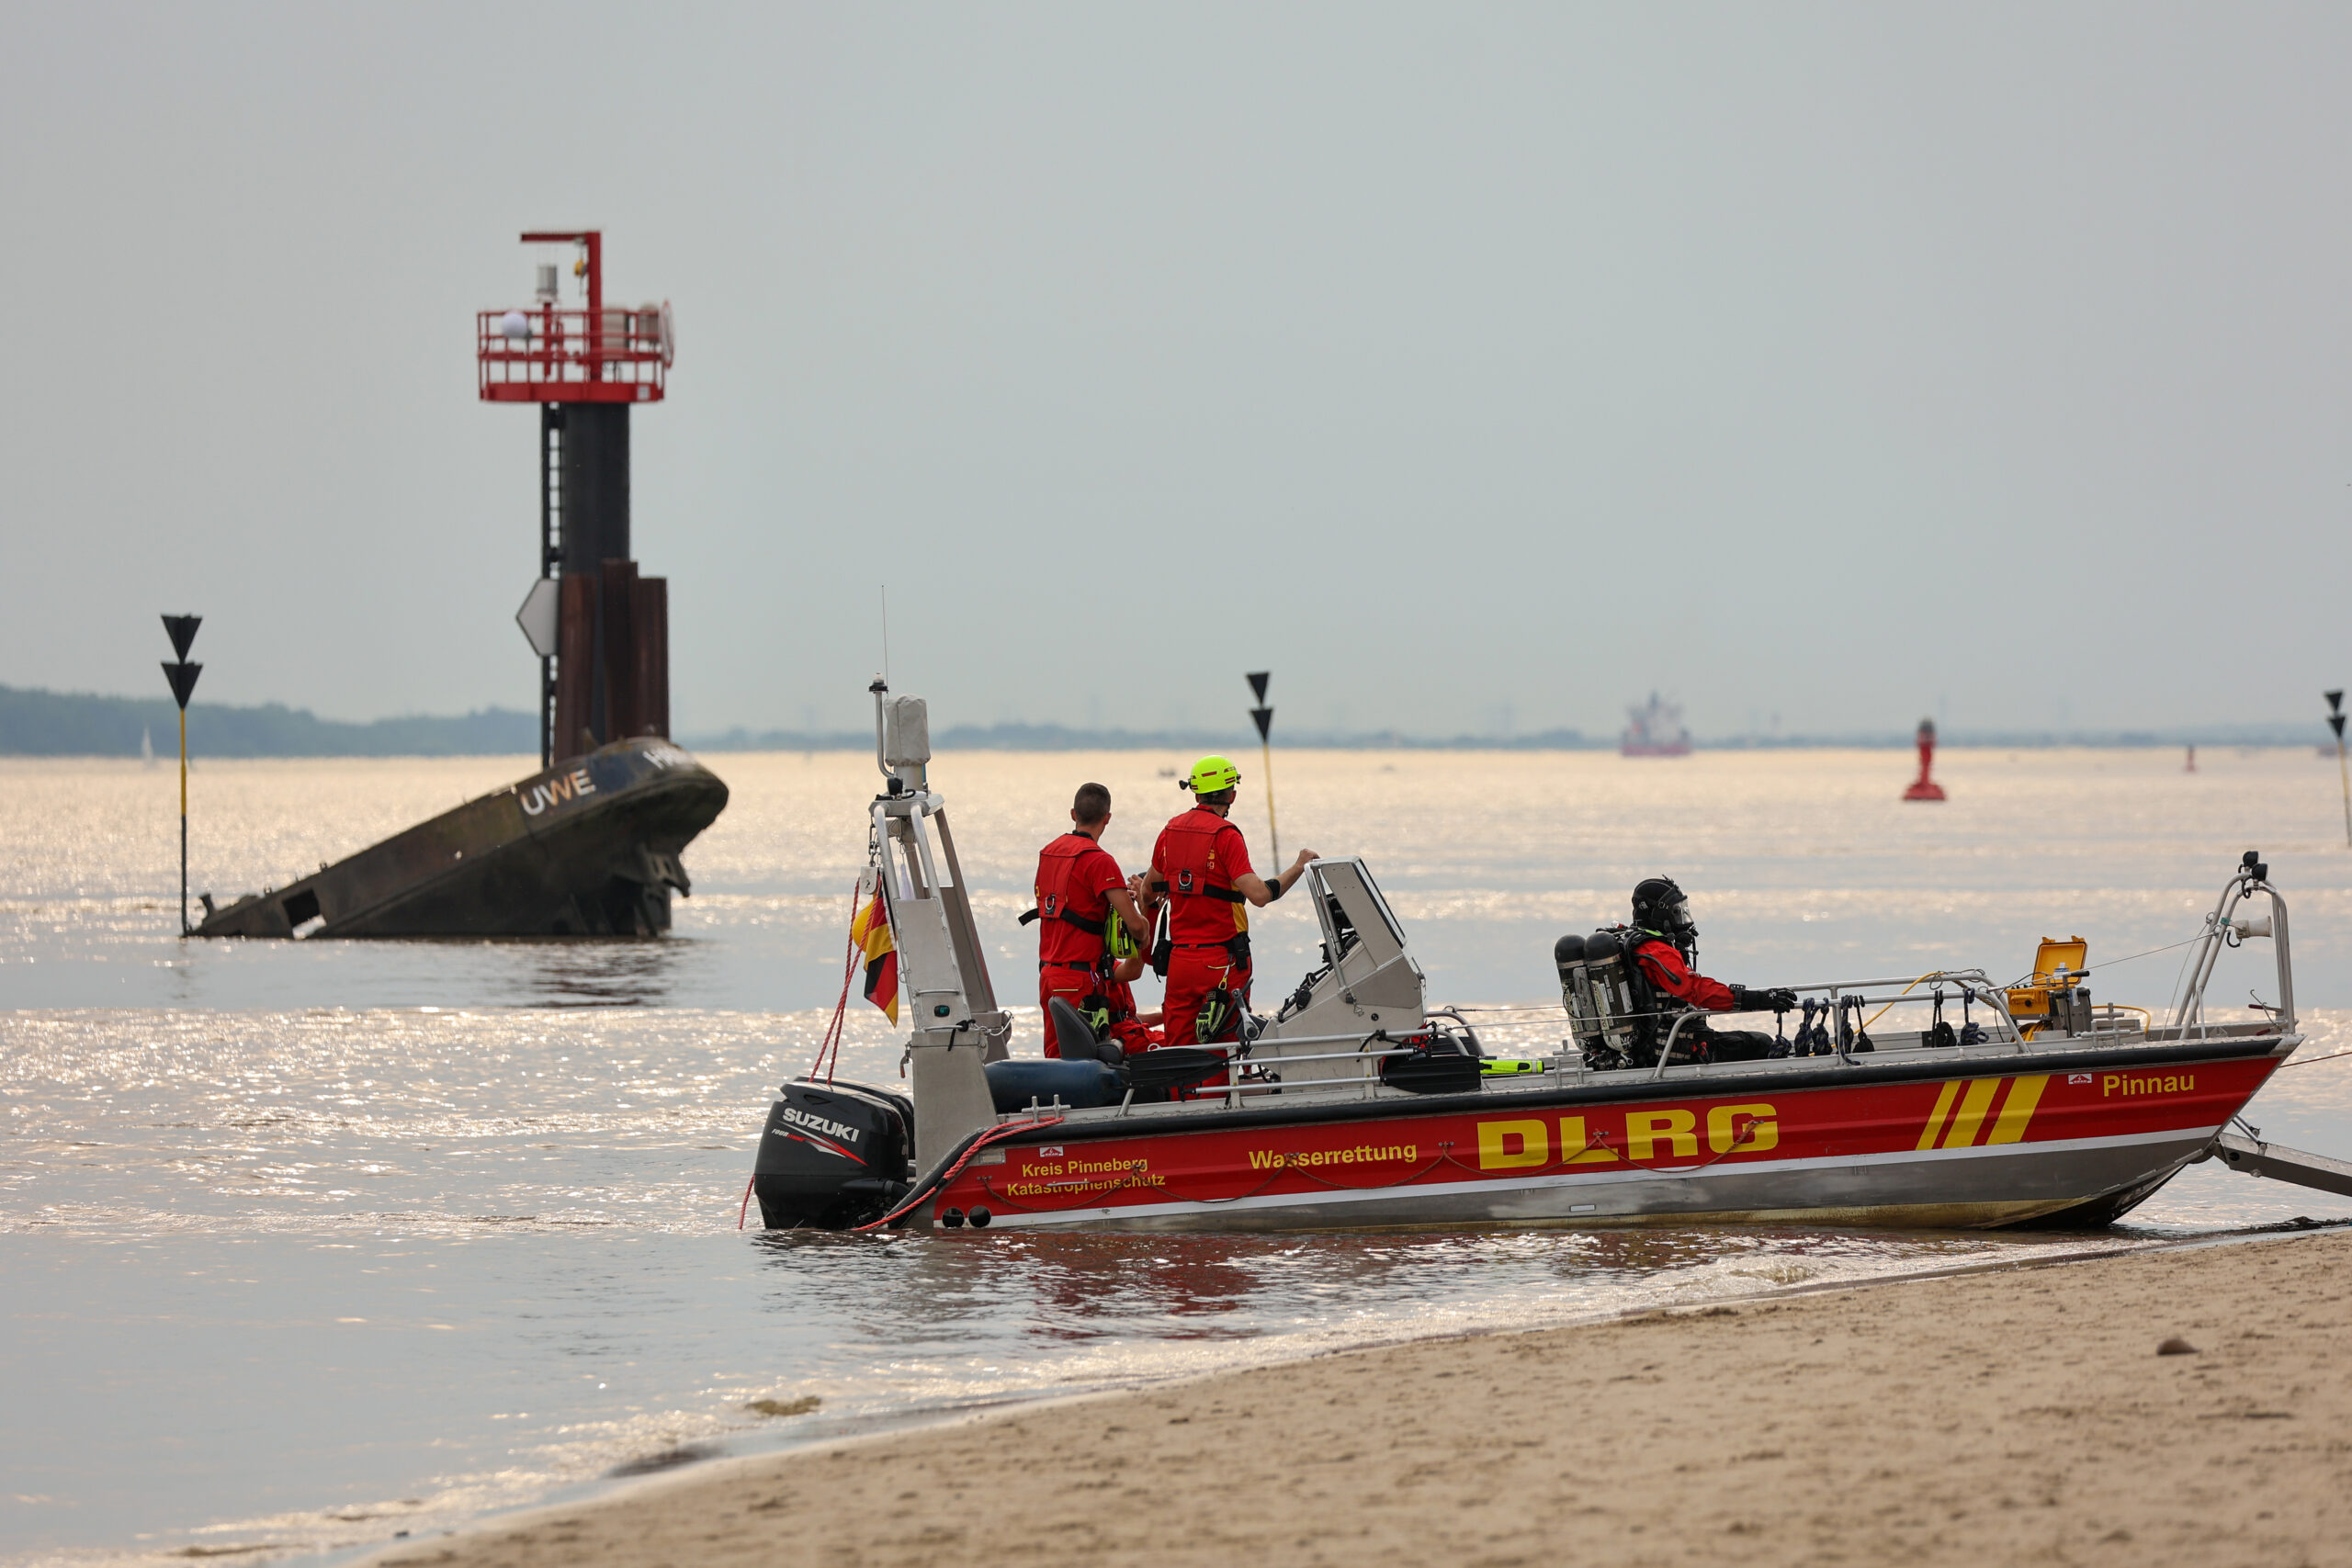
[1973, 1107]
[2018, 1109]
[1936, 1117]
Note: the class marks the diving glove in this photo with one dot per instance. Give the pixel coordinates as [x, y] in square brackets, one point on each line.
[1777, 1000]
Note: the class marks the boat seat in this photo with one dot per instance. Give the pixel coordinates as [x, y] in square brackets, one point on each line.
[1080, 1085]
[1075, 1039]
[1150, 1074]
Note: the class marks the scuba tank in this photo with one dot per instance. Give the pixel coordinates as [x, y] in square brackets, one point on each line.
[1600, 1000]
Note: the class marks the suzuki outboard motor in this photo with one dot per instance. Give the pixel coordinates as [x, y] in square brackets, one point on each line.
[1599, 1002]
[834, 1155]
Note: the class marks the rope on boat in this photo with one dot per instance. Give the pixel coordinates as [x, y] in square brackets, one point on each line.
[1090, 1198]
[972, 1146]
[2313, 1061]
[2111, 963]
[831, 1042]
[1087, 1196]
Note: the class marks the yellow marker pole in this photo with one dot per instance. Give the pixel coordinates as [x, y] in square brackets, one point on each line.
[1264, 716]
[2335, 722]
[1266, 750]
[184, 927]
[182, 676]
[2346, 770]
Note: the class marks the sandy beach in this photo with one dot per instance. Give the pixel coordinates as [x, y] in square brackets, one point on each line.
[2011, 1417]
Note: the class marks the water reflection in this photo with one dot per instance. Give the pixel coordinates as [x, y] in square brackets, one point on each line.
[604, 971]
[486, 1191]
[1026, 1296]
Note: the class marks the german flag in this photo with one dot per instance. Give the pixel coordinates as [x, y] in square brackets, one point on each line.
[871, 932]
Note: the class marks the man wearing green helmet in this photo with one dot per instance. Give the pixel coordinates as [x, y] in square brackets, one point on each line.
[1202, 867]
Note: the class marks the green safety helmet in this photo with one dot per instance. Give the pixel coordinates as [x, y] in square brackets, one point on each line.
[1211, 774]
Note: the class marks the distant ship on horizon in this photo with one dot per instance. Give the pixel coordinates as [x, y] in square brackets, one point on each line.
[1654, 730]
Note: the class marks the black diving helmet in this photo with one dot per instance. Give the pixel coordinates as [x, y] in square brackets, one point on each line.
[1659, 906]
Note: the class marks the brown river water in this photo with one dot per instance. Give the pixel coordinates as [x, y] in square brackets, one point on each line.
[302, 1244]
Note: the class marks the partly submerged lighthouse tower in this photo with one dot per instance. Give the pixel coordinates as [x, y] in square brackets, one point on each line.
[602, 632]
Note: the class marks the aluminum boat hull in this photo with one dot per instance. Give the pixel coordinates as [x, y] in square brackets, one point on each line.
[1908, 1139]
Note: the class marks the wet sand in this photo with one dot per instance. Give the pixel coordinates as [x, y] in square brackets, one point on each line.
[2015, 1416]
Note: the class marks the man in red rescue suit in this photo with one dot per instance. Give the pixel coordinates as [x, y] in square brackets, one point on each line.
[1664, 941]
[1080, 892]
[1202, 867]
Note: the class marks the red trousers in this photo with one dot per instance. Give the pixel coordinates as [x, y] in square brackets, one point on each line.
[1133, 1037]
[1074, 986]
[1072, 982]
[1193, 974]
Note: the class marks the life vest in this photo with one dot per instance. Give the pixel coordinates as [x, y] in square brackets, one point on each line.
[1204, 906]
[1072, 935]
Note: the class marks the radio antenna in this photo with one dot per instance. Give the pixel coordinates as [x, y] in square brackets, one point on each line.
[886, 633]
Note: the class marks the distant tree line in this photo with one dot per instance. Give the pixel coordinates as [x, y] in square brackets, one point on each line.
[71, 724]
[75, 724]
[1060, 737]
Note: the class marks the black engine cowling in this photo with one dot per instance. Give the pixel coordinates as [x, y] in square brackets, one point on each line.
[834, 1155]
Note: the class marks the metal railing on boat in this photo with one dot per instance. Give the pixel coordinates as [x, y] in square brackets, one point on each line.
[1975, 986]
[1372, 1047]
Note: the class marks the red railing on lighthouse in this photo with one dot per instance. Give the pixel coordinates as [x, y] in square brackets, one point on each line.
[601, 354]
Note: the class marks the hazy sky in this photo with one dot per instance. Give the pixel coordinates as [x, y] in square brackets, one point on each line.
[1464, 365]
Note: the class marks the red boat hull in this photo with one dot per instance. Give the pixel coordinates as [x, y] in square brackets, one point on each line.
[2051, 1138]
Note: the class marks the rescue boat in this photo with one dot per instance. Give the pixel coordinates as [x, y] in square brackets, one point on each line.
[1359, 1105]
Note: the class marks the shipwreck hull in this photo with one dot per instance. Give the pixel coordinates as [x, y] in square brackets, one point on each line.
[589, 846]
[2056, 1137]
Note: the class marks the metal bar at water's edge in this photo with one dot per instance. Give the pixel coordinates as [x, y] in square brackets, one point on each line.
[2282, 1164]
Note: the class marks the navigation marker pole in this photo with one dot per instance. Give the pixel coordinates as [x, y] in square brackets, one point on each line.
[182, 675]
[1265, 717]
[2335, 722]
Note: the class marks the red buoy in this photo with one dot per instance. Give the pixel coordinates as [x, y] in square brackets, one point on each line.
[1923, 787]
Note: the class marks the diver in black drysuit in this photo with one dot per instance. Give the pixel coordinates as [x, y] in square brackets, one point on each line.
[1664, 944]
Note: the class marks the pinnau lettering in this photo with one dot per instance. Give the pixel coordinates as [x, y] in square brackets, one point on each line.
[2113, 1084]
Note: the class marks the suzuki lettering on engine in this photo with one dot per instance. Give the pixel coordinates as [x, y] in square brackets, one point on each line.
[822, 1129]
